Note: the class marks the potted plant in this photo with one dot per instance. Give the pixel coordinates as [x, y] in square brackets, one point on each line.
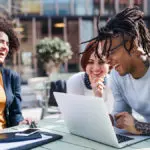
[53, 52]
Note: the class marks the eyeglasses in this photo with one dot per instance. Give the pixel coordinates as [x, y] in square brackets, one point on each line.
[116, 47]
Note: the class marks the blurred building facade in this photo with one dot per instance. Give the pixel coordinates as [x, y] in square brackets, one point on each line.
[71, 20]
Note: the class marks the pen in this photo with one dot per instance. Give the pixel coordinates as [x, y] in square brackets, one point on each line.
[33, 124]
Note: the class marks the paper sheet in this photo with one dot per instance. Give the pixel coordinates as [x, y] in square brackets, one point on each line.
[9, 145]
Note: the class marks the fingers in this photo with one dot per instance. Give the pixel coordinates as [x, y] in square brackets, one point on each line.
[26, 121]
[97, 85]
[121, 119]
[100, 80]
[124, 120]
[98, 89]
[121, 114]
[100, 86]
[120, 123]
[94, 80]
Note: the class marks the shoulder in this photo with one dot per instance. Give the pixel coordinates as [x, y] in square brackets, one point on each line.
[114, 73]
[10, 73]
[76, 80]
[77, 76]
[115, 76]
[75, 84]
[117, 80]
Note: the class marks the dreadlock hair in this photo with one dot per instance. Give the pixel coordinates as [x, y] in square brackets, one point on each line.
[94, 42]
[7, 27]
[128, 24]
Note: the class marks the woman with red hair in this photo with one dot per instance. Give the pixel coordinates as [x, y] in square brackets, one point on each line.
[94, 79]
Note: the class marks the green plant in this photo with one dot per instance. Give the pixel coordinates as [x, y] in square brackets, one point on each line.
[55, 50]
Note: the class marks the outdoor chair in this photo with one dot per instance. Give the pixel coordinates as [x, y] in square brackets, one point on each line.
[56, 86]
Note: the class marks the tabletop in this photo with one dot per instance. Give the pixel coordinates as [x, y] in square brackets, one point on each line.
[73, 142]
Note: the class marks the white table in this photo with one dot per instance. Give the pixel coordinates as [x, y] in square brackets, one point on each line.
[73, 142]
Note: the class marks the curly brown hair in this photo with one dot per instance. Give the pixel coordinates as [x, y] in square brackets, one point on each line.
[7, 27]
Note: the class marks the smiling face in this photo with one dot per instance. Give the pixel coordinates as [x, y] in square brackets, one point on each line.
[120, 59]
[96, 68]
[4, 46]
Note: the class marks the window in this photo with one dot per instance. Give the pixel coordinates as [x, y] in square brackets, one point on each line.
[49, 7]
[64, 7]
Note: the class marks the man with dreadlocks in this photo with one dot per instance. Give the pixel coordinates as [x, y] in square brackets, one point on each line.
[127, 48]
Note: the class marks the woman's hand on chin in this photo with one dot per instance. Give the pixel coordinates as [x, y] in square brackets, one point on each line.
[98, 86]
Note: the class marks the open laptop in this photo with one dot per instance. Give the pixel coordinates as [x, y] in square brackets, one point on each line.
[87, 116]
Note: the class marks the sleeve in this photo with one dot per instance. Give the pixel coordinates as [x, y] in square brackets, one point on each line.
[143, 127]
[120, 104]
[75, 84]
[15, 114]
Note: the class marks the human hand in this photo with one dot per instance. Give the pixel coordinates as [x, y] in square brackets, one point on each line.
[98, 86]
[26, 121]
[126, 121]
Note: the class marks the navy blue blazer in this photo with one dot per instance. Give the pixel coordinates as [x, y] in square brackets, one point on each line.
[12, 87]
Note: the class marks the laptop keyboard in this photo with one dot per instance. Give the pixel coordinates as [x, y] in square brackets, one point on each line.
[122, 138]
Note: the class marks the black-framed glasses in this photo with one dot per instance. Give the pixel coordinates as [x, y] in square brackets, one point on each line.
[116, 47]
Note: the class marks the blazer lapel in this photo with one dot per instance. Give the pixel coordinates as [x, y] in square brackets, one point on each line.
[6, 85]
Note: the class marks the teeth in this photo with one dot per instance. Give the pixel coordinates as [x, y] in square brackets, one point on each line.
[115, 66]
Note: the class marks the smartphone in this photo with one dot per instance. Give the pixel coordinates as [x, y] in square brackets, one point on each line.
[27, 132]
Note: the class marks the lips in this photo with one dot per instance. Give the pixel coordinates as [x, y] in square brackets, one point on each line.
[96, 75]
[2, 54]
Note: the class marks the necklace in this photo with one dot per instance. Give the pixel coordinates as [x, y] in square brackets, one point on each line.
[87, 81]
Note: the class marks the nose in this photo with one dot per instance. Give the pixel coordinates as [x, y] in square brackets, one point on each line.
[4, 46]
[97, 67]
[111, 61]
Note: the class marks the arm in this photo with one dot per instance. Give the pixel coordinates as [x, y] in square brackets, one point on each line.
[120, 102]
[123, 112]
[119, 105]
[127, 122]
[142, 127]
[15, 115]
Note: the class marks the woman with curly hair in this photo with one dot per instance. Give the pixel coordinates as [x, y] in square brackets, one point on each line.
[10, 91]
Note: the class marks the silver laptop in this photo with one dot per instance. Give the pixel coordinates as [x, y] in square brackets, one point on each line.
[88, 117]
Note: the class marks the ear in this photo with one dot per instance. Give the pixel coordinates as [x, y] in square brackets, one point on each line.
[137, 51]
